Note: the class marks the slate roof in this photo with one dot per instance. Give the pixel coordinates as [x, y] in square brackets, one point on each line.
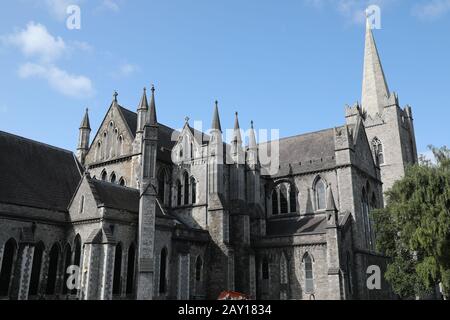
[114, 196]
[35, 174]
[295, 225]
[305, 152]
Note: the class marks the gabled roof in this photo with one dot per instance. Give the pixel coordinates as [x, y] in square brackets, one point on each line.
[114, 196]
[35, 174]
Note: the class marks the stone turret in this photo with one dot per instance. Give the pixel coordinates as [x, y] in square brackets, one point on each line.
[83, 140]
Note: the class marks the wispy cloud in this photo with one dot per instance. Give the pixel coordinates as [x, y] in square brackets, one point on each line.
[110, 5]
[125, 70]
[42, 50]
[68, 84]
[431, 10]
[36, 42]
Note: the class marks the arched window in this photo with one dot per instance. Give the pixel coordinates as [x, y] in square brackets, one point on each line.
[162, 270]
[192, 150]
[162, 180]
[112, 178]
[274, 201]
[104, 175]
[193, 190]
[120, 147]
[122, 182]
[117, 279]
[67, 263]
[7, 266]
[36, 269]
[292, 198]
[378, 151]
[52, 269]
[81, 204]
[320, 190]
[130, 269]
[186, 188]
[181, 152]
[265, 269]
[283, 199]
[198, 269]
[309, 276]
[179, 192]
[99, 151]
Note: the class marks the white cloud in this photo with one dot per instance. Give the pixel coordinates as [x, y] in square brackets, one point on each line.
[125, 70]
[431, 10]
[36, 41]
[77, 86]
[110, 5]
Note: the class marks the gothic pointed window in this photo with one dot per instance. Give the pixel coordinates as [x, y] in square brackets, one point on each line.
[179, 192]
[192, 150]
[130, 269]
[292, 198]
[378, 151]
[186, 188]
[275, 202]
[35, 278]
[117, 278]
[309, 275]
[283, 199]
[104, 175]
[113, 178]
[122, 182]
[162, 181]
[67, 263]
[7, 266]
[81, 205]
[52, 269]
[193, 190]
[120, 147]
[320, 190]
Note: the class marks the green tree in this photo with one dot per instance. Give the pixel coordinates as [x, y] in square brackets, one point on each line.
[414, 227]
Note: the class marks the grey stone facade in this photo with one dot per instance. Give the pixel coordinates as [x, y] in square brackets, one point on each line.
[148, 212]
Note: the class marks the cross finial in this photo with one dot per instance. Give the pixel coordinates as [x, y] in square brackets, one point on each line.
[186, 119]
[251, 123]
[153, 88]
[115, 95]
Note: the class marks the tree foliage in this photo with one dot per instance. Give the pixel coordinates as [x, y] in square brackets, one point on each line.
[414, 227]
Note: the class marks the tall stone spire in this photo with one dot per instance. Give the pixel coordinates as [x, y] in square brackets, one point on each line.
[375, 91]
[215, 125]
[142, 112]
[83, 138]
[152, 120]
[237, 130]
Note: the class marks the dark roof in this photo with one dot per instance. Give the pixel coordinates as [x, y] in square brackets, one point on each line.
[295, 225]
[130, 118]
[114, 196]
[35, 174]
[305, 152]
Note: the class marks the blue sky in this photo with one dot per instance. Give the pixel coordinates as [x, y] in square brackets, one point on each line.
[291, 65]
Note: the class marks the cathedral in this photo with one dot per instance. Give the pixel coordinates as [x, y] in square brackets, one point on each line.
[143, 211]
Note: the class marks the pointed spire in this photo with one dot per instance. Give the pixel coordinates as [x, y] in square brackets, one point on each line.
[152, 116]
[85, 124]
[143, 105]
[331, 205]
[374, 90]
[252, 137]
[216, 120]
[237, 130]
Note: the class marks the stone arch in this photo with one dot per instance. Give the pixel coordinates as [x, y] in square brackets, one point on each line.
[113, 177]
[104, 175]
[36, 269]
[52, 273]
